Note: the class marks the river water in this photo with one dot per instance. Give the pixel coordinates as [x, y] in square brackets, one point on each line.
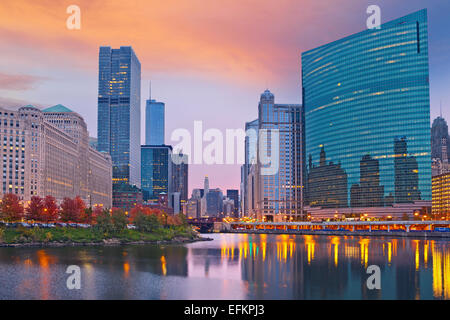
[233, 266]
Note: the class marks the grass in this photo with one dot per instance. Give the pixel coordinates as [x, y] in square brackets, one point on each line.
[22, 235]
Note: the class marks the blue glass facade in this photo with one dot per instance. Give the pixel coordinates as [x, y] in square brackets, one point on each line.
[154, 123]
[156, 171]
[367, 117]
[119, 92]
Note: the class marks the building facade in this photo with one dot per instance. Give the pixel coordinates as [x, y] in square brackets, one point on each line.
[441, 196]
[367, 114]
[279, 194]
[47, 153]
[251, 147]
[119, 115]
[180, 175]
[126, 196]
[154, 122]
[156, 171]
[234, 196]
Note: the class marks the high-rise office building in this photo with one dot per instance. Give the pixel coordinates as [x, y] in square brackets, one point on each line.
[251, 147]
[234, 195]
[440, 139]
[214, 203]
[154, 122]
[180, 175]
[279, 194]
[156, 172]
[119, 115]
[367, 115]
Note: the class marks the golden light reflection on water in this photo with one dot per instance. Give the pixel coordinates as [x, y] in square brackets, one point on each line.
[340, 250]
[441, 271]
[163, 265]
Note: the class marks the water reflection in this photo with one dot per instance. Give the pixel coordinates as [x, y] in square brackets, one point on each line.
[234, 266]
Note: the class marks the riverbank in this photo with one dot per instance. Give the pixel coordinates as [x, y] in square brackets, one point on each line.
[61, 237]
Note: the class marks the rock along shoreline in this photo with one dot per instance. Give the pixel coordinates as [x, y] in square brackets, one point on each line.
[105, 242]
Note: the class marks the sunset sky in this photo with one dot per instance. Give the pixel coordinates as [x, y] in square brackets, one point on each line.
[207, 60]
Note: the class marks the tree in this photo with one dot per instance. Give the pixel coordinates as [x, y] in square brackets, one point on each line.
[11, 208]
[35, 209]
[119, 219]
[96, 213]
[50, 209]
[86, 216]
[72, 209]
[104, 221]
[147, 223]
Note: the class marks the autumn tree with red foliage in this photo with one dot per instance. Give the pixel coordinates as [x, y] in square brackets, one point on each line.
[72, 209]
[11, 208]
[50, 209]
[35, 209]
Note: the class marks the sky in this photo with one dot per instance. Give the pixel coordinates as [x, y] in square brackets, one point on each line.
[207, 60]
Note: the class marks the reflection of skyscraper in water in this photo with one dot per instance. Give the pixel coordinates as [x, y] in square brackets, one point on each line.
[406, 173]
[327, 184]
[368, 193]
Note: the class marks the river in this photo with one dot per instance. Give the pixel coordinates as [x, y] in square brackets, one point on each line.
[234, 266]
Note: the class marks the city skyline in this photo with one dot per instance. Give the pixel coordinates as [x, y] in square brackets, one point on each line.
[232, 70]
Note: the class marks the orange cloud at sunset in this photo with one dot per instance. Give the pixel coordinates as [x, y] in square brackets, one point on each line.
[236, 39]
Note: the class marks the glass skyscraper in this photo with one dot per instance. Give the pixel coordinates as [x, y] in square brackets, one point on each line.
[156, 174]
[367, 117]
[154, 122]
[119, 92]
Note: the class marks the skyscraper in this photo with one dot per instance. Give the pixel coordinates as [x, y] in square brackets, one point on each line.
[234, 195]
[366, 100]
[156, 171]
[251, 147]
[119, 115]
[180, 175]
[440, 139]
[154, 122]
[279, 194]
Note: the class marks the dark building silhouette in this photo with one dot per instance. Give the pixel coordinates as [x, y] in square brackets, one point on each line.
[368, 193]
[180, 174]
[327, 184]
[439, 135]
[406, 173]
[234, 195]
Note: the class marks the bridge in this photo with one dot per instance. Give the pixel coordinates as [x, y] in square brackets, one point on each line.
[405, 228]
[203, 225]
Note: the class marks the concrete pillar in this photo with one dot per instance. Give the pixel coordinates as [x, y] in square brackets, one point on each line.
[353, 228]
[370, 228]
[407, 227]
[254, 227]
[389, 228]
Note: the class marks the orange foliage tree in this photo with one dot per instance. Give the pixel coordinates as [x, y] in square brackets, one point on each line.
[72, 209]
[35, 209]
[50, 209]
[11, 208]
